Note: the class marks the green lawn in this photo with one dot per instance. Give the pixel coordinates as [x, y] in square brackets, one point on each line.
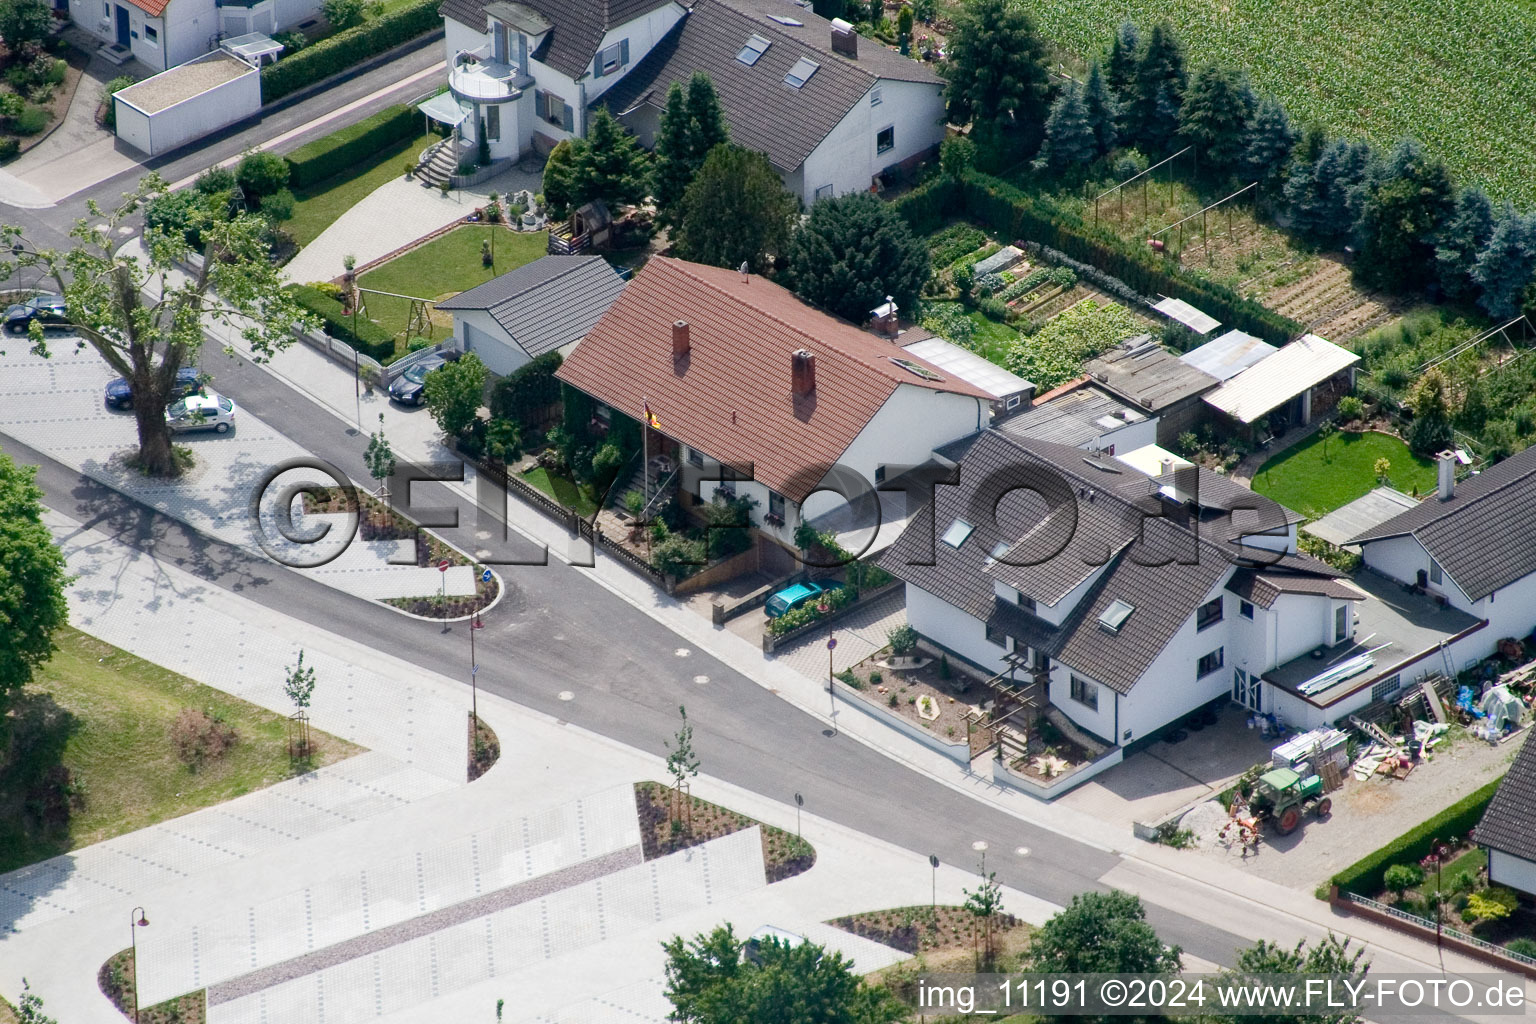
[578, 499]
[991, 339]
[1469, 863]
[319, 205]
[1311, 481]
[107, 716]
[443, 267]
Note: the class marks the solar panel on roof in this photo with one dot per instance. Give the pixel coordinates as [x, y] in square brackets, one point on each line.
[755, 47]
[794, 23]
[801, 73]
[915, 368]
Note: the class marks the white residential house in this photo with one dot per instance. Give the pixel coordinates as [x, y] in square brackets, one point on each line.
[544, 306]
[750, 390]
[831, 111]
[529, 71]
[165, 33]
[1508, 828]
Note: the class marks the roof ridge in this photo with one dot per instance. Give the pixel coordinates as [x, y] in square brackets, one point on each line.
[749, 12]
[1469, 502]
[577, 264]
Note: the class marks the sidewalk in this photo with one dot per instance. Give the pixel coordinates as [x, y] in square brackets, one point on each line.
[393, 215]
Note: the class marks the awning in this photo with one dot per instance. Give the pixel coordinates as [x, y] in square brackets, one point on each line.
[444, 109]
[252, 46]
[1189, 316]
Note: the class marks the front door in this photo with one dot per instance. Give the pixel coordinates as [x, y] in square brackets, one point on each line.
[123, 38]
[1247, 690]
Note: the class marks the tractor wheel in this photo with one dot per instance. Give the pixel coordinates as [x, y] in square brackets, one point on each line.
[1324, 807]
[1288, 820]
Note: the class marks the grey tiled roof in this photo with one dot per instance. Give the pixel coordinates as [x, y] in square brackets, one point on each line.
[764, 113]
[1159, 565]
[548, 303]
[1509, 824]
[1482, 536]
[579, 25]
[1263, 587]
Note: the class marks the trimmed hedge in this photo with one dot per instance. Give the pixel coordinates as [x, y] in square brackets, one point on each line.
[369, 339]
[344, 49]
[341, 150]
[1365, 876]
[1015, 213]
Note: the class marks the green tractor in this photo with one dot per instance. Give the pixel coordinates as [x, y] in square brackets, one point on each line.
[1282, 797]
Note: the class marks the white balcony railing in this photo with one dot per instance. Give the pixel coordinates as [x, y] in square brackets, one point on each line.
[475, 76]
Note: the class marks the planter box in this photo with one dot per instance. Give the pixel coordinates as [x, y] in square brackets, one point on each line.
[771, 643]
[959, 752]
[480, 174]
[1006, 776]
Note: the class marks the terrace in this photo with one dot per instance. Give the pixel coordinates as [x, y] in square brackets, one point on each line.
[475, 76]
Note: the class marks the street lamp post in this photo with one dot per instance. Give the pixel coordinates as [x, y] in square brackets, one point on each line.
[933, 862]
[134, 924]
[825, 608]
[799, 803]
[1438, 851]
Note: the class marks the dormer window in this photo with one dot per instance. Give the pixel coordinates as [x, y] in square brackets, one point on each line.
[611, 59]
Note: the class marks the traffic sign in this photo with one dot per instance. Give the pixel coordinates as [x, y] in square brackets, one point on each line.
[442, 566]
[485, 577]
[831, 643]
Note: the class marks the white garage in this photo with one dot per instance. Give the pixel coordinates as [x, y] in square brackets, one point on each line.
[187, 102]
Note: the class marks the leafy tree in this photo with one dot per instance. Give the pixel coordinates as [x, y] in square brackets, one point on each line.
[710, 982]
[956, 156]
[559, 184]
[985, 905]
[344, 14]
[609, 164]
[1326, 430]
[23, 22]
[1331, 957]
[1157, 91]
[527, 392]
[1102, 109]
[736, 211]
[692, 124]
[876, 12]
[1120, 65]
[453, 393]
[1505, 265]
[299, 684]
[1430, 431]
[148, 340]
[1268, 143]
[1401, 218]
[32, 580]
[1218, 107]
[262, 174]
[1381, 469]
[1474, 408]
[996, 74]
[1399, 878]
[904, 21]
[1465, 234]
[830, 9]
[1101, 932]
[1069, 136]
[380, 456]
[925, 10]
[30, 1011]
[852, 252]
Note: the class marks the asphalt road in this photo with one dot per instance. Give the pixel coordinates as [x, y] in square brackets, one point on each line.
[557, 629]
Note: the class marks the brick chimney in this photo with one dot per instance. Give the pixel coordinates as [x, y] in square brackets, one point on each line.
[882, 319]
[802, 375]
[844, 39]
[680, 345]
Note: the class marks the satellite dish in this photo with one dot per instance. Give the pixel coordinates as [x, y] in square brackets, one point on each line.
[743, 268]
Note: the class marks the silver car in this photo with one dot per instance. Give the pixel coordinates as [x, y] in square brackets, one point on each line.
[207, 411]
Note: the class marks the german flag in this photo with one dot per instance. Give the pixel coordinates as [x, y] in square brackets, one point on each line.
[650, 418]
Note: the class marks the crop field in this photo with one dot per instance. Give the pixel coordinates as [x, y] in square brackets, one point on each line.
[1459, 76]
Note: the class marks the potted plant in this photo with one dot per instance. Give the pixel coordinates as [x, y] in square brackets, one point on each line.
[410, 170]
[348, 282]
[493, 208]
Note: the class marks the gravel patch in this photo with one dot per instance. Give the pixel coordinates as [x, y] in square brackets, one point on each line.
[182, 83]
[394, 935]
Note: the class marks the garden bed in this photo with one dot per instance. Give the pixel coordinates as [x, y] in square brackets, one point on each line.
[484, 747]
[115, 979]
[924, 697]
[57, 105]
[668, 825]
[924, 930]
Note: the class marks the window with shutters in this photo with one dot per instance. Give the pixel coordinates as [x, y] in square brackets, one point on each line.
[611, 59]
[552, 109]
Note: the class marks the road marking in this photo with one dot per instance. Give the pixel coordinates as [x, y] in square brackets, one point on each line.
[701, 680]
[1022, 851]
[567, 695]
[682, 652]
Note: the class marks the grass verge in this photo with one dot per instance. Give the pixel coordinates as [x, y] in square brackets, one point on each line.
[567, 492]
[318, 206]
[484, 747]
[668, 825]
[106, 717]
[115, 980]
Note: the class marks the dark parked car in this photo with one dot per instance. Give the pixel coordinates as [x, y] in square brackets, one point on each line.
[48, 309]
[410, 388]
[120, 392]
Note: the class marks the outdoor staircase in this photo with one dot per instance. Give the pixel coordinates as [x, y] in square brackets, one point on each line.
[440, 164]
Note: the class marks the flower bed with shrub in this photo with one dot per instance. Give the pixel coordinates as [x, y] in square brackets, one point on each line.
[670, 822]
[367, 337]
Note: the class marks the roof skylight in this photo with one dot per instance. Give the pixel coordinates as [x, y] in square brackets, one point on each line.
[782, 20]
[755, 47]
[915, 368]
[801, 73]
[1113, 617]
[957, 534]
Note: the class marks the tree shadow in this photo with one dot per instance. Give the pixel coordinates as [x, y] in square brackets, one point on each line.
[38, 796]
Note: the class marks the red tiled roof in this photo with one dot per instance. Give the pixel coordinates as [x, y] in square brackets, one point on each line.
[154, 8]
[730, 397]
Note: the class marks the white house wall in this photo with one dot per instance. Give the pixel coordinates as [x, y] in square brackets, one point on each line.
[643, 34]
[945, 624]
[185, 31]
[458, 37]
[477, 331]
[1101, 721]
[1127, 438]
[1515, 872]
[904, 432]
[1510, 611]
[846, 159]
[291, 12]
[1169, 688]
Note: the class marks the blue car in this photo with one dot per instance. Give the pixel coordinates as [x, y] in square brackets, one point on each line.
[790, 598]
[120, 392]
